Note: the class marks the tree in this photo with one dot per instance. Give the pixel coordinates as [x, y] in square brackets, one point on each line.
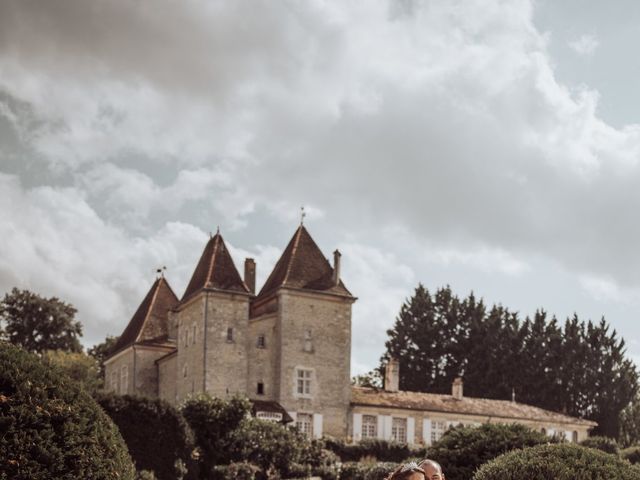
[37, 324]
[630, 424]
[370, 379]
[52, 428]
[102, 350]
[79, 366]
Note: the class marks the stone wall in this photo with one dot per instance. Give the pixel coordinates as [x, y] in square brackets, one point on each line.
[146, 370]
[263, 358]
[420, 423]
[189, 368]
[167, 376]
[315, 335]
[119, 372]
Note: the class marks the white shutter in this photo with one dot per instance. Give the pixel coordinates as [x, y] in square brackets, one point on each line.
[426, 431]
[381, 427]
[294, 416]
[317, 425]
[411, 430]
[357, 427]
[387, 427]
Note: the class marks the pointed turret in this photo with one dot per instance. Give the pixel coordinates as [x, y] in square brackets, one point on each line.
[150, 323]
[303, 266]
[215, 270]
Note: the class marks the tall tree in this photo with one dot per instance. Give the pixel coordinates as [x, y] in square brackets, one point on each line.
[102, 350]
[38, 324]
[630, 424]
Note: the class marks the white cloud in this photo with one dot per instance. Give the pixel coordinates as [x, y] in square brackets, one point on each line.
[585, 45]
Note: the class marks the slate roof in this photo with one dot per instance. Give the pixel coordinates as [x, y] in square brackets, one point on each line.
[302, 266]
[365, 396]
[150, 323]
[215, 270]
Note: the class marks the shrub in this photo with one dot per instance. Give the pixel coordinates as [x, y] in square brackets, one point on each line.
[52, 428]
[606, 444]
[366, 470]
[632, 454]
[381, 450]
[235, 471]
[158, 437]
[212, 421]
[557, 462]
[461, 450]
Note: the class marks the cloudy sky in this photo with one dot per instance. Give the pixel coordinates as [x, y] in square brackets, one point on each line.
[490, 145]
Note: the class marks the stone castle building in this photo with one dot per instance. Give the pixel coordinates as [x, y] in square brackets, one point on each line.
[287, 348]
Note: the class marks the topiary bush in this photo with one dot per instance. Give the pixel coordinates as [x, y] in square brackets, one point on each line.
[605, 444]
[51, 428]
[381, 450]
[461, 450]
[366, 470]
[631, 454]
[158, 437]
[557, 462]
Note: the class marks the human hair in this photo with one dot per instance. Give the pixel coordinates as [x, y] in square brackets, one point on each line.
[403, 472]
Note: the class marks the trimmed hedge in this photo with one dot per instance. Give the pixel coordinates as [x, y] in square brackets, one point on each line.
[366, 470]
[461, 450]
[557, 462]
[158, 437]
[605, 444]
[381, 450]
[631, 454]
[51, 428]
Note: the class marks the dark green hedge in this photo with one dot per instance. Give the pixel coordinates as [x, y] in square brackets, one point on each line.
[52, 429]
[158, 437]
[461, 450]
[557, 462]
[605, 444]
[381, 450]
[366, 470]
[632, 454]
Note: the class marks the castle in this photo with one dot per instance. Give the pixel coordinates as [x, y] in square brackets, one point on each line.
[288, 349]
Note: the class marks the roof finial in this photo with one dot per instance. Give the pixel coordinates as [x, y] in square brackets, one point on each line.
[302, 215]
[160, 271]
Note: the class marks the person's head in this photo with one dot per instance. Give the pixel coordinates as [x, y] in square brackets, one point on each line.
[432, 470]
[408, 471]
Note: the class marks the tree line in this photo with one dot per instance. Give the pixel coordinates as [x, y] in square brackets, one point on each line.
[576, 367]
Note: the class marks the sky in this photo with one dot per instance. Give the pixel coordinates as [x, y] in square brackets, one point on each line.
[489, 145]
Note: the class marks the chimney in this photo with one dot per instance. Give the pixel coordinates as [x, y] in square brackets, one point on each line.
[336, 267]
[456, 389]
[250, 274]
[392, 375]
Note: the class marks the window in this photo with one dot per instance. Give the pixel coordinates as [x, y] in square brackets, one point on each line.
[437, 429]
[303, 382]
[308, 342]
[185, 371]
[193, 335]
[574, 437]
[260, 389]
[369, 426]
[261, 342]
[114, 381]
[269, 416]
[229, 334]
[399, 429]
[124, 379]
[304, 424]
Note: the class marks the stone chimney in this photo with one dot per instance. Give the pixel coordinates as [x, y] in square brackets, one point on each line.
[250, 274]
[456, 389]
[336, 267]
[392, 375]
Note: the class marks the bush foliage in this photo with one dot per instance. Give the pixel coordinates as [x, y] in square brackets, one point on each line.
[158, 437]
[51, 428]
[557, 462]
[369, 470]
[461, 450]
[381, 450]
[631, 454]
[605, 444]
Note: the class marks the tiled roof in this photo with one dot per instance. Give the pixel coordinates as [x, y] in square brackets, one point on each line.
[216, 270]
[150, 323]
[467, 405]
[303, 266]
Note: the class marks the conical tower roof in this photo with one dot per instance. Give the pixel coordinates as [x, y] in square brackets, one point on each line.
[150, 323]
[303, 266]
[215, 270]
